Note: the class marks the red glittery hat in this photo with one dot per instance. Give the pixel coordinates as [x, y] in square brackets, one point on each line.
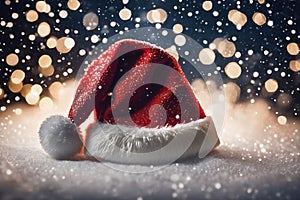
[141, 102]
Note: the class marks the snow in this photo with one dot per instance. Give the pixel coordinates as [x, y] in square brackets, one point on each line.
[257, 159]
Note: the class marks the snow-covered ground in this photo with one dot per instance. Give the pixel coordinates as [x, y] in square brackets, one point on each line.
[258, 159]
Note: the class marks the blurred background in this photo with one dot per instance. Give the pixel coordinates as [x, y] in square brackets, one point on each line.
[254, 45]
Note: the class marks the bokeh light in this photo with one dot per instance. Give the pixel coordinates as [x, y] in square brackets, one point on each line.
[226, 48]
[271, 85]
[157, 16]
[259, 18]
[237, 18]
[17, 76]
[252, 44]
[32, 98]
[295, 65]
[45, 61]
[233, 70]
[180, 40]
[44, 29]
[125, 14]
[2, 93]
[207, 5]
[65, 44]
[282, 120]
[26, 89]
[177, 28]
[51, 42]
[15, 88]
[32, 16]
[293, 48]
[243, 41]
[36, 89]
[73, 4]
[12, 59]
[207, 56]
[56, 90]
[40, 6]
[46, 104]
[63, 14]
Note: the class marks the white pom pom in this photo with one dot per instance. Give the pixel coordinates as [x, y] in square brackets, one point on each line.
[59, 137]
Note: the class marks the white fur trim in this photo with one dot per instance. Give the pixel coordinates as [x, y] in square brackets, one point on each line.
[151, 146]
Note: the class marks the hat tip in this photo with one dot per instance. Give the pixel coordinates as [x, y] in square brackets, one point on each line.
[59, 137]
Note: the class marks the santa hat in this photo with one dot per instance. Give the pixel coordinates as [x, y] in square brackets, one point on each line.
[145, 111]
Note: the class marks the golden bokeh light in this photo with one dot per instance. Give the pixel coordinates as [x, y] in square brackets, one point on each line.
[32, 16]
[261, 1]
[47, 8]
[26, 89]
[56, 90]
[237, 18]
[73, 4]
[216, 42]
[95, 39]
[293, 48]
[125, 14]
[230, 14]
[51, 42]
[157, 16]
[40, 6]
[149, 17]
[69, 43]
[15, 88]
[177, 28]
[180, 40]
[36, 89]
[271, 85]
[207, 5]
[295, 65]
[46, 104]
[259, 18]
[17, 76]
[90, 21]
[207, 56]
[226, 48]
[45, 61]
[32, 98]
[60, 45]
[12, 59]
[49, 71]
[43, 29]
[282, 120]
[65, 44]
[163, 15]
[233, 70]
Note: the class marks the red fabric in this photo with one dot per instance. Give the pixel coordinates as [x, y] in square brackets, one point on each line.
[126, 70]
